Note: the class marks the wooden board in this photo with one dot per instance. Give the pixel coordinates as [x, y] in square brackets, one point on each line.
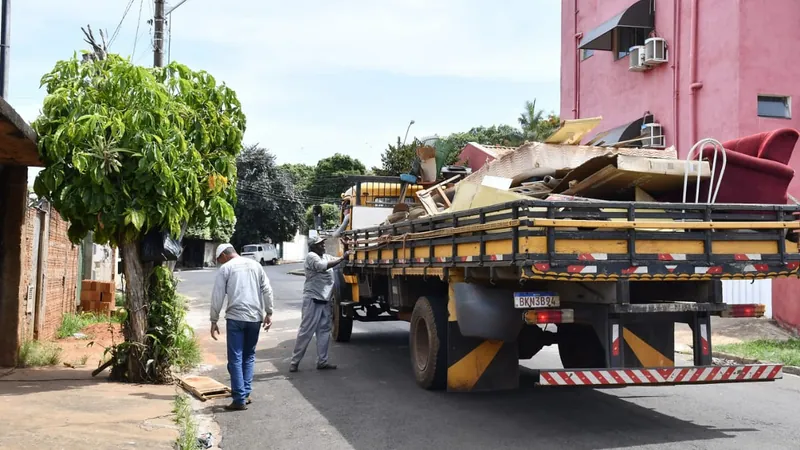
[572, 131]
[204, 388]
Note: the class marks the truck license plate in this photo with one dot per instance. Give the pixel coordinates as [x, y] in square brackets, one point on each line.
[525, 300]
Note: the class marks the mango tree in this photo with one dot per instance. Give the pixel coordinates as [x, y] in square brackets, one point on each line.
[130, 150]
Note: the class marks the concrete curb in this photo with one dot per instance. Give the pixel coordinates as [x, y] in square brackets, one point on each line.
[740, 360]
[298, 272]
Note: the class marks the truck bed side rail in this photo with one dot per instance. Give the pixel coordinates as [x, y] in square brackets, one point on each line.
[593, 238]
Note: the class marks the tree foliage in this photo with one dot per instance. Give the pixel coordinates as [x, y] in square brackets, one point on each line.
[396, 159]
[535, 126]
[330, 216]
[220, 233]
[302, 176]
[270, 206]
[330, 177]
[128, 149]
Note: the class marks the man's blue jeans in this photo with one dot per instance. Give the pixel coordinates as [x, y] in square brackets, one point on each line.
[242, 340]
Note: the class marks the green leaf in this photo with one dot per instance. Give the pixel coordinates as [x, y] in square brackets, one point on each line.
[137, 219]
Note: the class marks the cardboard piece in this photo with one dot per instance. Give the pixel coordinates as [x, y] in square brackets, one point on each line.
[496, 182]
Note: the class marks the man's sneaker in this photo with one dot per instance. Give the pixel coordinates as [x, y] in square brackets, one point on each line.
[236, 407]
[293, 368]
[326, 366]
[248, 400]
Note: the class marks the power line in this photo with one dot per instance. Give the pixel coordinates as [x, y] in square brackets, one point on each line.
[169, 37]
[138, 23]
[119, 25]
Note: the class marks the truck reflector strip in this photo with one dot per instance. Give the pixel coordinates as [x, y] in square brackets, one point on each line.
[667, 375]
[748, 310]
[544, 316]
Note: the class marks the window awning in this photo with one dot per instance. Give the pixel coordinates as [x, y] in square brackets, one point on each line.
[638, 15]
[622, 133]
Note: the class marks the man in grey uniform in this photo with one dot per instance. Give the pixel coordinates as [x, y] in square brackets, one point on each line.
[250, 302]
[316, 313]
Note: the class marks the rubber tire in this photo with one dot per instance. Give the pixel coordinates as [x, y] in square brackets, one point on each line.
[429, 319]
[342, 326]
[262, 262]
[580, 348]
[273, 262]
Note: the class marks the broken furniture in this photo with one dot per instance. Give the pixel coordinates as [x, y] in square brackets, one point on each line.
[757, 169]
[615, 177]
[426, 196]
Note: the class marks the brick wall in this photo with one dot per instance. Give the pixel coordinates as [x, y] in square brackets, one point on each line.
[61, 275]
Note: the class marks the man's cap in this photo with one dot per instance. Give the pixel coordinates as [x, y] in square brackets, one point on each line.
[316, 240]
[221, 248]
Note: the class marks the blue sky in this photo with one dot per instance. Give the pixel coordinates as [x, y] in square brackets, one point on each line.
[317, 77]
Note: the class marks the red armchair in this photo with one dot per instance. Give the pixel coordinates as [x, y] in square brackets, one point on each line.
[757, 169]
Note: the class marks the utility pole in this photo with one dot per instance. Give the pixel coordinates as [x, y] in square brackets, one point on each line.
[5, 38]
[158, 34]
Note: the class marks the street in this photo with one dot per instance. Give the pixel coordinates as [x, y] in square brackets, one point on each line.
[372, 402]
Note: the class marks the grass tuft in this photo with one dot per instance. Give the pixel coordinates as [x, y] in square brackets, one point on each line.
[784, 352]
[38, 354]
[182, 409]
[73, 323]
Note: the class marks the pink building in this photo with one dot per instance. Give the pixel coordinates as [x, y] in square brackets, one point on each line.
[729, 72]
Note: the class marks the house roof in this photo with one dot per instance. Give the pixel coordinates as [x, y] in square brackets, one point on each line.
[17, 139]
[495, 151]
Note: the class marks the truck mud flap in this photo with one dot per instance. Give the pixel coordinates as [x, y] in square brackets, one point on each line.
[476, 364]
[661, 376]
[486, 312]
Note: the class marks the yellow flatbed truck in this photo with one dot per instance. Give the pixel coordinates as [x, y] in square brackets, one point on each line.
[479, 286]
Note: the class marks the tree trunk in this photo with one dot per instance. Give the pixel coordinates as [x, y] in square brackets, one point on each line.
[135, 330]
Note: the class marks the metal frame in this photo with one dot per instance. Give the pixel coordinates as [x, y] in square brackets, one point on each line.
[527, 211]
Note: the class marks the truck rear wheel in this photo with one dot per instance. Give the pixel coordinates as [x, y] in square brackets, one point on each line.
[579, 347]
[342, 326]
[428, 342]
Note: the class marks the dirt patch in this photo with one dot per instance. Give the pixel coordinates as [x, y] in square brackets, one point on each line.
[89, 351]
[734, 331]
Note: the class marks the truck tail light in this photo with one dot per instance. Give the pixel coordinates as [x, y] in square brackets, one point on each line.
[750, 310]
[543, 316]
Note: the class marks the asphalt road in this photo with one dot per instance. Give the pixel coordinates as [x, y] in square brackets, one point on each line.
[372, 402]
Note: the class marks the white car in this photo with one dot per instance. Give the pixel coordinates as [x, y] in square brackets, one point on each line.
[263, 253]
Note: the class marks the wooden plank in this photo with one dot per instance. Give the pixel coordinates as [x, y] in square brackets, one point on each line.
[572, 131]
[204, 388]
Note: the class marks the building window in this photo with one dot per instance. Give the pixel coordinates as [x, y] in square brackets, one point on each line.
[774, 106]
[625, 38]
[586, 53]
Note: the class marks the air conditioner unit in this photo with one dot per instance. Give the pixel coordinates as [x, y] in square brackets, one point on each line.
[637, 59]
[653, 136]
[655, 51]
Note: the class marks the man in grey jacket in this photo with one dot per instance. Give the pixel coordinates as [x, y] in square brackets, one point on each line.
[250, 301]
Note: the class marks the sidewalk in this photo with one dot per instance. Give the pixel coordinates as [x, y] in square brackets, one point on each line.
[67, 408]
[731, 331]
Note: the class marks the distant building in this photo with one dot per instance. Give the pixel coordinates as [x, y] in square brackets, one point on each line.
[476, 155]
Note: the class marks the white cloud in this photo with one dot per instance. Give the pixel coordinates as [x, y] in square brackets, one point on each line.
[447, 37]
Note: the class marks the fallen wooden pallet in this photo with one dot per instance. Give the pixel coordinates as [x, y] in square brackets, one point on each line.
[204, 388]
